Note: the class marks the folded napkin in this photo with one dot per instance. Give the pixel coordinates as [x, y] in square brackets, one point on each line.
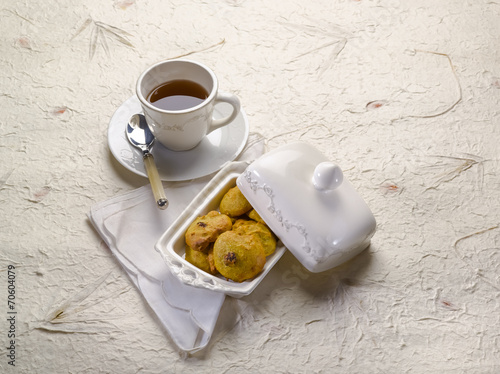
[131, 224]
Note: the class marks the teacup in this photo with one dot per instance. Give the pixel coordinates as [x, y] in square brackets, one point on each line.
[178, 99]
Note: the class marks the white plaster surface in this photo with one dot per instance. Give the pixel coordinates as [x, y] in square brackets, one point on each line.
[403, 95]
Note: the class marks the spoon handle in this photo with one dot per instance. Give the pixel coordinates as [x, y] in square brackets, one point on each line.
[154, 179]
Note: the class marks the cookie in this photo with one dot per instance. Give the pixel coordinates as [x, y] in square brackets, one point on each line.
[250, 227]
[238, 256]
[205, 230]
[255, 216]
[234, 203]
[200, 260]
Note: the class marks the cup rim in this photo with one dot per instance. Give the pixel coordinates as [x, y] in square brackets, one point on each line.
[150, 106]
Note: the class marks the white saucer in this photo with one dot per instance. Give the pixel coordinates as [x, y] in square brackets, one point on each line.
[214, 151]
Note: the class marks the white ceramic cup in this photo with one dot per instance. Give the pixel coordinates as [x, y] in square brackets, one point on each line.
[181, 130]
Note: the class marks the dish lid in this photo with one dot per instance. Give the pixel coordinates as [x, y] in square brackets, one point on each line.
[306, 201]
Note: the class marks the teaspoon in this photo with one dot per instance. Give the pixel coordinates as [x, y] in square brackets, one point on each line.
[140, 136]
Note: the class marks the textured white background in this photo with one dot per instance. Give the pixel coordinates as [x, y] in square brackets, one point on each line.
[404, 95]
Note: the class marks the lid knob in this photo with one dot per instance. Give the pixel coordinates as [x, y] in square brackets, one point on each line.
[327, 176]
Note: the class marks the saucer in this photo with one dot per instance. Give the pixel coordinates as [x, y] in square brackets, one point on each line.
[214, 151]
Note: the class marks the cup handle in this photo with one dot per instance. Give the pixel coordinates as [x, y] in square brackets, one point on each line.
[220, 122]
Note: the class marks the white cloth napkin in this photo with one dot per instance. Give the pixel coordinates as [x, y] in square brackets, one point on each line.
[131, 224]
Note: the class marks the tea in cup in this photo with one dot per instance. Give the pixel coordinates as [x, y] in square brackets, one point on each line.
[178, 99]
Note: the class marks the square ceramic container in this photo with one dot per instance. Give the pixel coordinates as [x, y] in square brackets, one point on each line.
[172, 245]
[304, 199]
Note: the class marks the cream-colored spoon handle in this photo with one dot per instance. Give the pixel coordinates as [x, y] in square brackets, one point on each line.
[154, 179]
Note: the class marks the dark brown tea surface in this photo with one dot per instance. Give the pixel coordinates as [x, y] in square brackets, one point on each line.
[177, 95]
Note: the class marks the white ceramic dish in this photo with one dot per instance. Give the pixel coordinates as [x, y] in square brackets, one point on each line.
[172, 244]
[215, 150]
[304, 199]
